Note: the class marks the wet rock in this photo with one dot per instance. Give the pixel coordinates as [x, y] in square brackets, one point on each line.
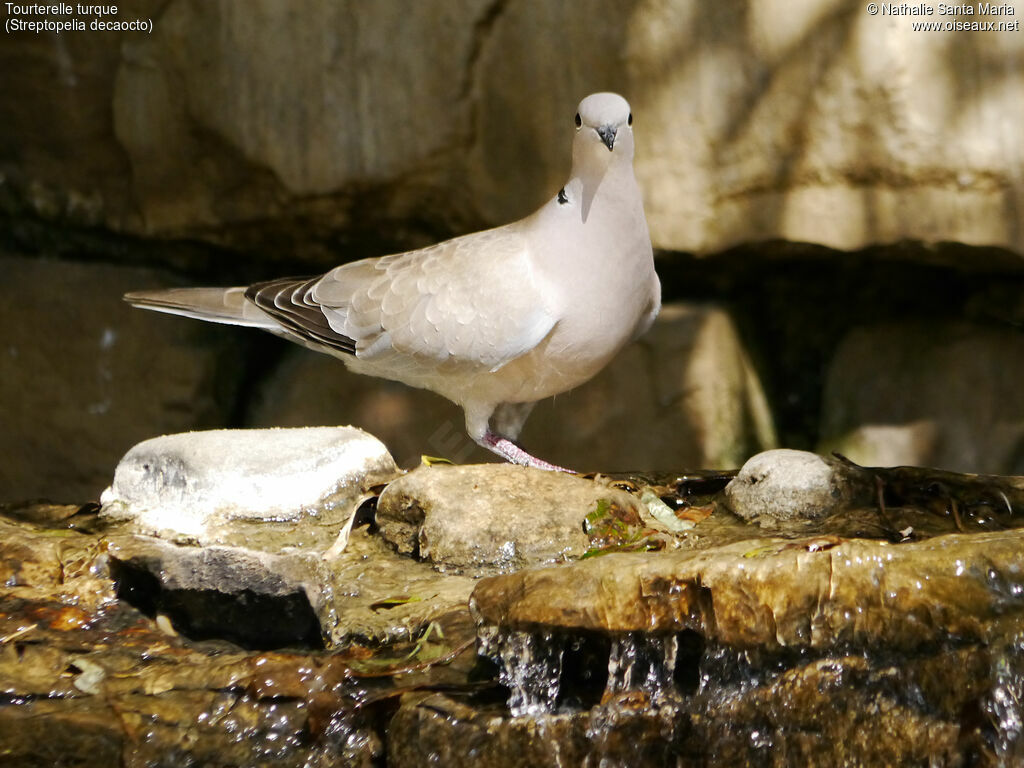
[153, 697]
[848, 709]
[948, 397]
[442, 731]
[255, 599]
[194, 483]
[742, 650]
[900, 655]
[493, 515]
[813, 715]
[721, 707]
[89, 680]
[91, 377]
[779, 593]
[234, 534]
[785, 485]
[267, 597]
[684, 395]
[40, 559]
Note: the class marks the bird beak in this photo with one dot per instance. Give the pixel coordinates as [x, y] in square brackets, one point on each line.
[607, 134]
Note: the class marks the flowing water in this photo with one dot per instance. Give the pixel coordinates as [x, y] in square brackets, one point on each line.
[1005, 703]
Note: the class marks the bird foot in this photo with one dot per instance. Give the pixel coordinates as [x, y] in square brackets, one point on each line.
[516, 455]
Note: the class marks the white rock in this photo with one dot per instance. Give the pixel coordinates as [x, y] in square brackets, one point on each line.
[188, 483]
[792, 485]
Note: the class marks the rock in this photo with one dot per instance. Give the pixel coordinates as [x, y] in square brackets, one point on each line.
[194, 483]
[755, 650]
[942, 394]
[810, 126]
[818, 127]
[287, 597]
[232, 534]
[777, 593]
[785, 485]
[443, 731]
[254, 598]
[91, 376]
[99, 687]
[684, 395]
[732, 649]
[265, 597]
[493, 516]
[810, 716]
[40, 559]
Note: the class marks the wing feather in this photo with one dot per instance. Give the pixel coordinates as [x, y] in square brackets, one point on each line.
[473, 299]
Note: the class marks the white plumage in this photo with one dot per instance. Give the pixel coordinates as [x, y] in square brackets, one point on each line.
[494, 320]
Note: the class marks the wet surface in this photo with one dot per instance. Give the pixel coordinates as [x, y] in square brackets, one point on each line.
[888, 634]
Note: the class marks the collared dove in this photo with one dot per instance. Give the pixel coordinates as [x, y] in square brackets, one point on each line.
[495, 320]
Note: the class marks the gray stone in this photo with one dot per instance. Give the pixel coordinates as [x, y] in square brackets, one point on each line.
[85, 377]
[940, 394]
[785, 485]
[195, 483]
[482, 517]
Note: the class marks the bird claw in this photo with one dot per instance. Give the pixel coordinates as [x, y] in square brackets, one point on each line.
[513, 454]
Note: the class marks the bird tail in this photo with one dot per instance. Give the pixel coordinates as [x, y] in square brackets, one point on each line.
[215, 305]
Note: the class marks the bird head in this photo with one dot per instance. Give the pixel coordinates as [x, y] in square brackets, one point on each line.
[603, 130]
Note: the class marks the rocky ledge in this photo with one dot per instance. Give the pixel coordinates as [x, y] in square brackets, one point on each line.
[289, 597]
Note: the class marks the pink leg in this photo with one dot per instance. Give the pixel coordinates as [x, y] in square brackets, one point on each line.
[516, 455]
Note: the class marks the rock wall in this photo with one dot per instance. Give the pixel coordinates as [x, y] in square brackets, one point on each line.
[755, 120]
[243, 140]
[84, 377]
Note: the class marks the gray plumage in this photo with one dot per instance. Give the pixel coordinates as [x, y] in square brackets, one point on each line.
[494, 320]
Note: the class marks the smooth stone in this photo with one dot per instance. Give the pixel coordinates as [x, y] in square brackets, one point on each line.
[234, 532]
[785, 484]
[191, 483]
[492, 515]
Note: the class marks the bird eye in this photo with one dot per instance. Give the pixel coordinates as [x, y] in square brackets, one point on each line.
[629, 120]
[579, 120]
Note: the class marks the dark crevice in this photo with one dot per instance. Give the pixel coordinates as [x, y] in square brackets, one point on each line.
[794, 303]
[255, 621]
[584, 670]
[481, 32]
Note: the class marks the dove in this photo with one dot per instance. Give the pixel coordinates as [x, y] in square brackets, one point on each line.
[495, 320]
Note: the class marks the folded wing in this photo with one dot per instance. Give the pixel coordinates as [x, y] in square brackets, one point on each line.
[473, 300]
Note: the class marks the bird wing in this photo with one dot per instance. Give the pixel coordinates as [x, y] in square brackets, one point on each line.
[475, 299]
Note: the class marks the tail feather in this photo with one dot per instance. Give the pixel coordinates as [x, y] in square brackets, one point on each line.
[215, 305]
